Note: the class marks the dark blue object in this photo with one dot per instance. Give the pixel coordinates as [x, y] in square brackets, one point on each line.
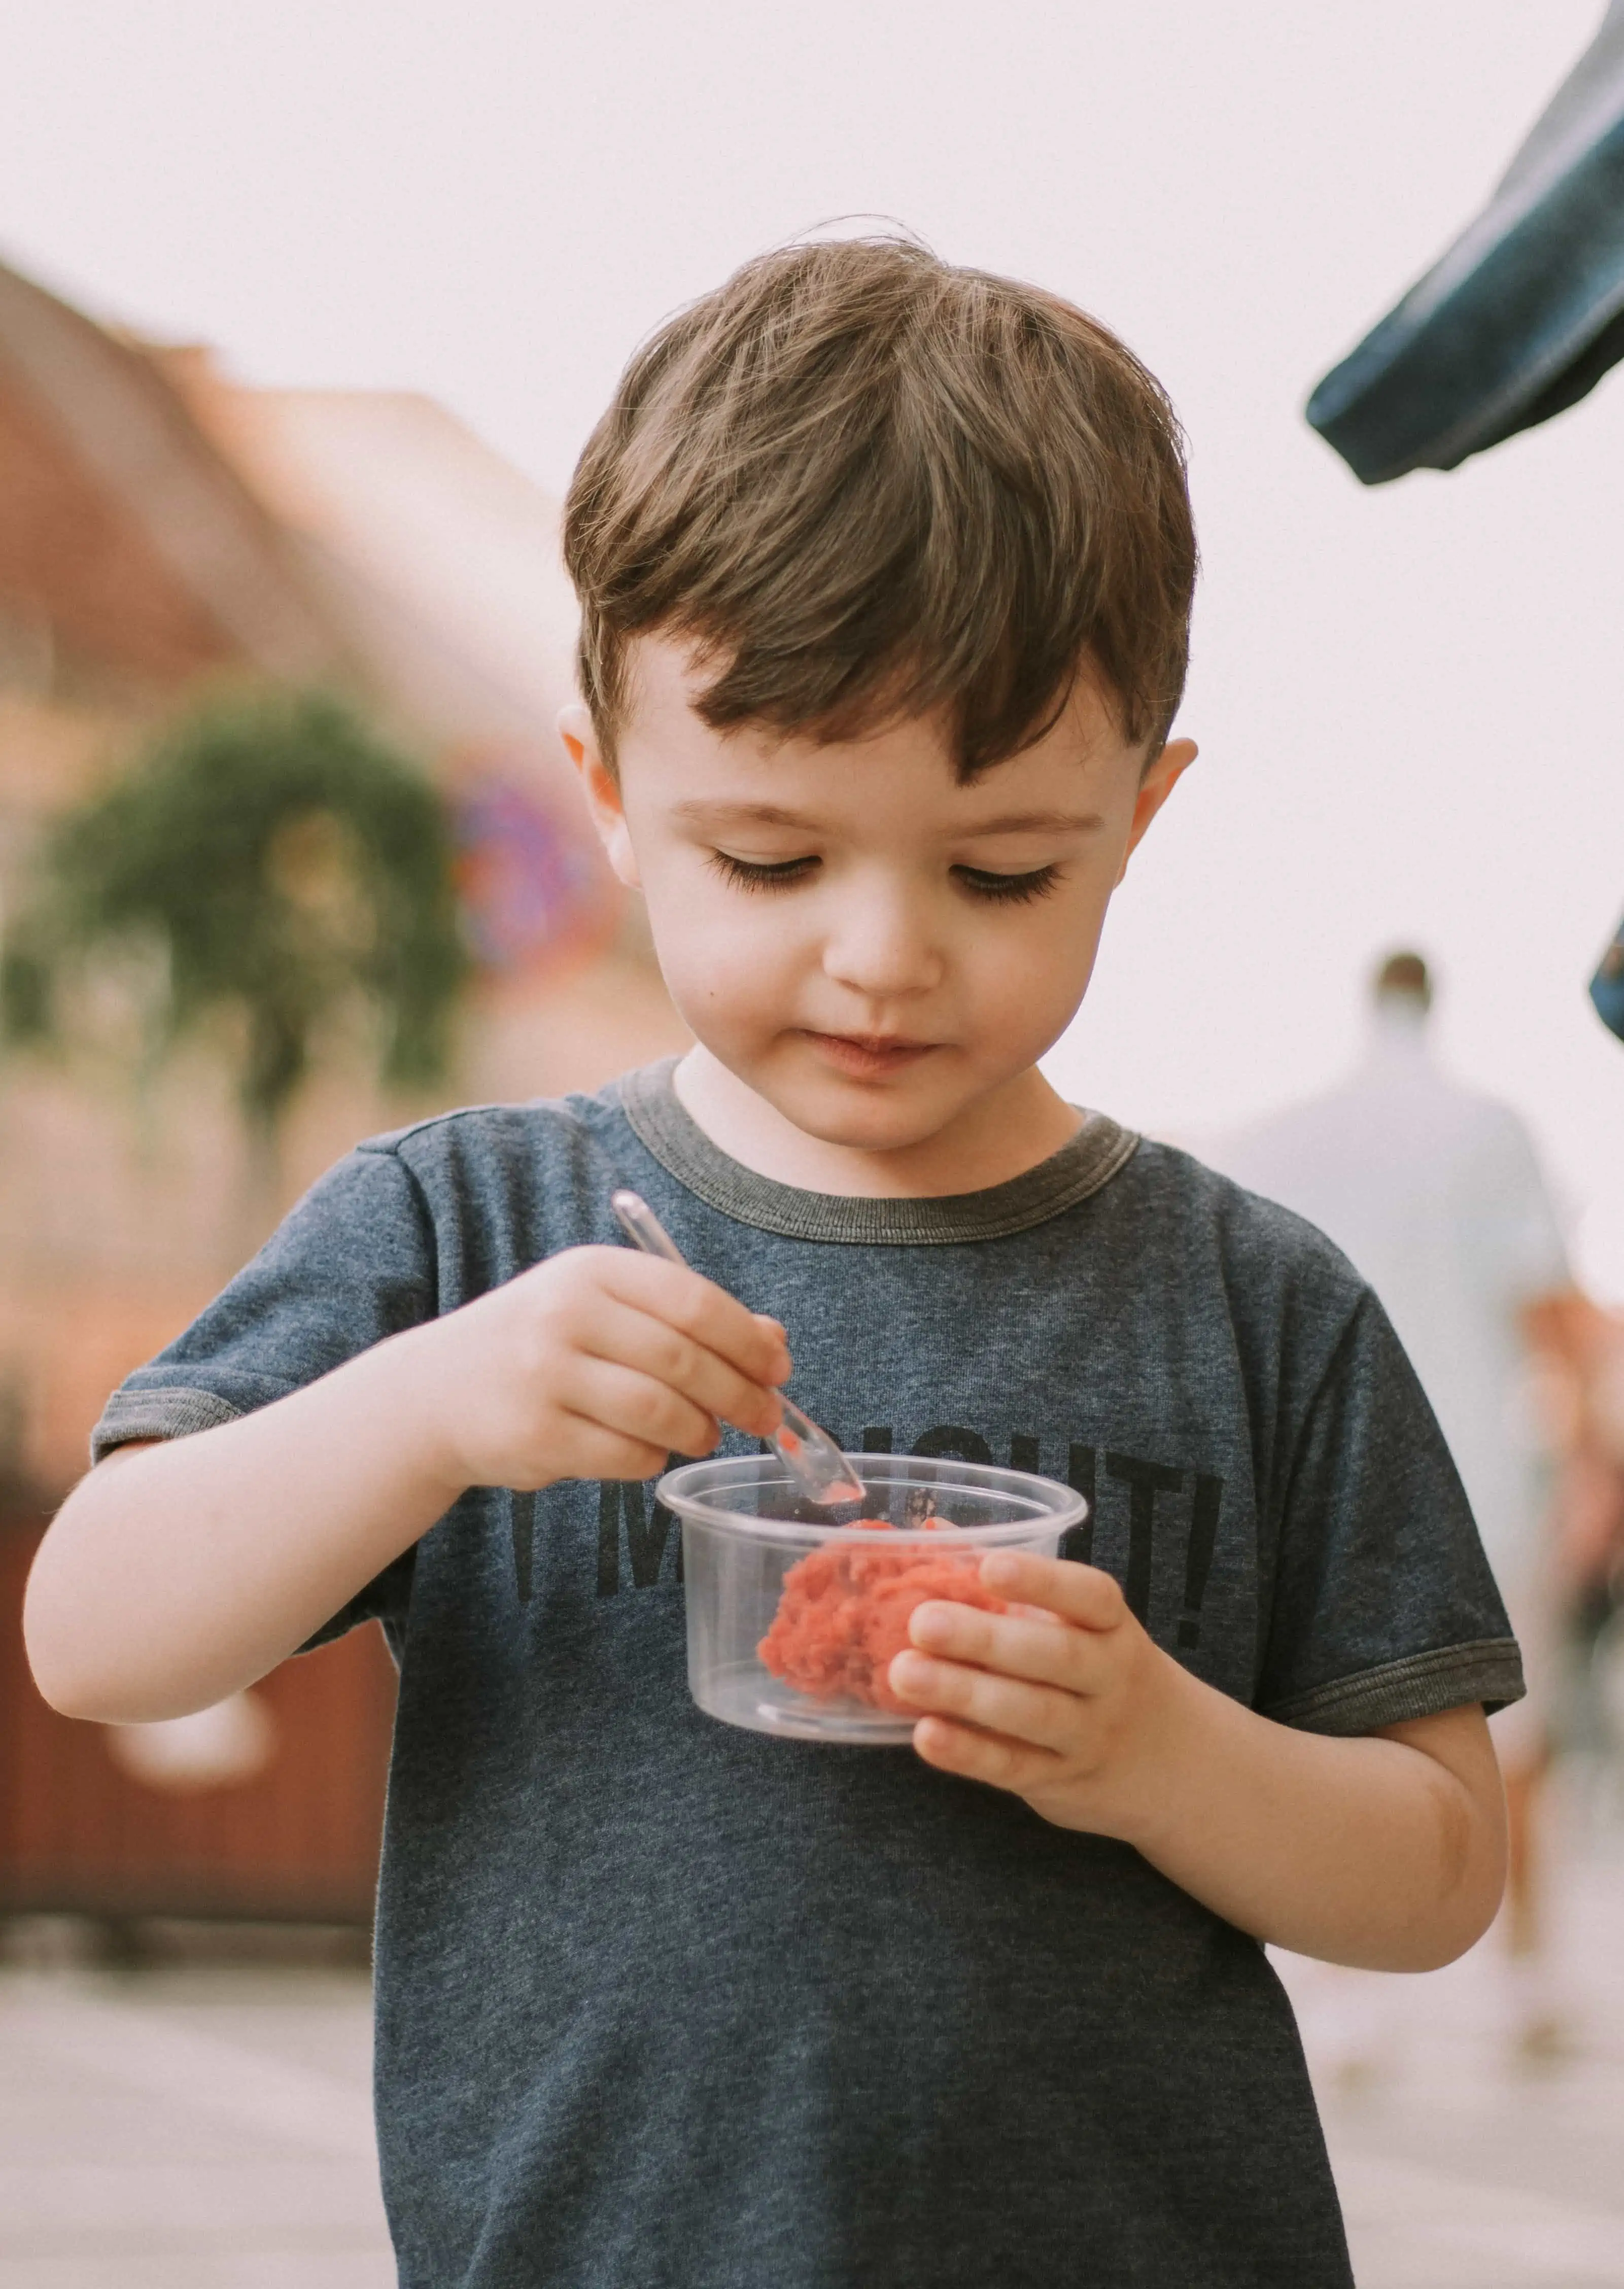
[1521, 317]
[1607, 986]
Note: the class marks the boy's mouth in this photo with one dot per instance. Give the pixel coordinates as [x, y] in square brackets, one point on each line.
[868, 1056]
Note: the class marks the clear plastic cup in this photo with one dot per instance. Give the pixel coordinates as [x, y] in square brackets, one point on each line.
[794, 1614]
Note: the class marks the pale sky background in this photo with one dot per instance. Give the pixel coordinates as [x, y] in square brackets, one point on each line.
[1408, 700]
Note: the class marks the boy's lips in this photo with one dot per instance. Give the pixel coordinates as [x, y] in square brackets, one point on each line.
[867, 1055]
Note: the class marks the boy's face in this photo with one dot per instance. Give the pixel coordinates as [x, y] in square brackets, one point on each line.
[872, 947]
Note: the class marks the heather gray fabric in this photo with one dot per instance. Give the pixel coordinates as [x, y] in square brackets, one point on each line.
[663, 2004]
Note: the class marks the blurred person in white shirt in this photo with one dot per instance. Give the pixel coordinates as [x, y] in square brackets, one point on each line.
[1436, 1194]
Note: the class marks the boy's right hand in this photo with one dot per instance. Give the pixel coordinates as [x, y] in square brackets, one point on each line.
[596, 1363]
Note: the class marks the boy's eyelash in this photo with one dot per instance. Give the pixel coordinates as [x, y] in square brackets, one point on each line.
[996, 890]
[1008, 889]
[751, 874]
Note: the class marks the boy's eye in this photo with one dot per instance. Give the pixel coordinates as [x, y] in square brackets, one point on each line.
[753, 875]
[1008, 889]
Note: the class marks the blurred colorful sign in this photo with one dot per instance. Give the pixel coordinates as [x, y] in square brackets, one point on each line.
[531, 887]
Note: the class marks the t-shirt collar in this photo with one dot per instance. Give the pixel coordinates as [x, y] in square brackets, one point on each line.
[1083, 1165]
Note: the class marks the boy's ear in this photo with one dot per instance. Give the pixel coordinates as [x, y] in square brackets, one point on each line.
[1161, 776]
[601, 789]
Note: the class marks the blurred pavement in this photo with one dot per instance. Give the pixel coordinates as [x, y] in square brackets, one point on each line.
[189, 2129]
[1463, 2164]
[209, 2128]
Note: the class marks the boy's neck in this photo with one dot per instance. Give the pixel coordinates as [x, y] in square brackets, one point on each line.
[997, 1137]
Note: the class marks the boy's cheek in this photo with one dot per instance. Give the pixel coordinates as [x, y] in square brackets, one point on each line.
[739, 974]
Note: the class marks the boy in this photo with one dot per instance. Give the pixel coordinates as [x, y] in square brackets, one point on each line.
[885, 571]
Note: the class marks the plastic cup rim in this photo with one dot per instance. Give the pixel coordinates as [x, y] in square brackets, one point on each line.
[1065, 1509]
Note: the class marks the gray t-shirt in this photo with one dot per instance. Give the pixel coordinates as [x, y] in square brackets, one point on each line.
[666, 2005]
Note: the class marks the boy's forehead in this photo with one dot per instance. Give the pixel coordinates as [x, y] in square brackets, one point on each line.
[757, 767]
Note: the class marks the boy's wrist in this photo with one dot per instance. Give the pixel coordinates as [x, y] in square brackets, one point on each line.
[409, 1381]
[1178, 1720]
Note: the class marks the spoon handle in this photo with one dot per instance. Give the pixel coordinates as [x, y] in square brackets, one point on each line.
[644, 1228]
[809, 1453]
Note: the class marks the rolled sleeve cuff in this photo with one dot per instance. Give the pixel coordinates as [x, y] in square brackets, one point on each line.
[1489, 1670]
[165, 1414]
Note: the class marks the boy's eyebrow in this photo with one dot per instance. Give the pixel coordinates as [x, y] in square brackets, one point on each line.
[1039, 822]
[697, 811]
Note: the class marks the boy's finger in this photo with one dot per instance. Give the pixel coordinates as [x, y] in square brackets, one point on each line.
[1042, 1715]
[1042, 1649]
[699, 1308]
[1082, 1594]
[621, 1333]
[621, 1398]
[600, 1454]
[641, 1339]
[984, 1756]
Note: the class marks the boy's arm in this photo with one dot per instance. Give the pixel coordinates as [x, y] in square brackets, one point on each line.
[1385, 1851]
[174, 1575]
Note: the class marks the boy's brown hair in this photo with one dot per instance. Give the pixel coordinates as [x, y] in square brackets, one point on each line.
[864, 485]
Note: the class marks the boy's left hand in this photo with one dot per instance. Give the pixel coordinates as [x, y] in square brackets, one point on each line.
[1071, 1706]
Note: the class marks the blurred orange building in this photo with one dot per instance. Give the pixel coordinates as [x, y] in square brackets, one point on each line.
[162, 526]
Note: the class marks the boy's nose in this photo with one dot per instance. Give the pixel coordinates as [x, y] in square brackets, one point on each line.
[881, 946]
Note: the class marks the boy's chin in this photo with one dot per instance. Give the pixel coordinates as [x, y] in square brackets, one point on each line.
[863, 1117]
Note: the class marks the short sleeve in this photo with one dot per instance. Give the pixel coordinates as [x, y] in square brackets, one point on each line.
[353, 1264]
[1383, 1607]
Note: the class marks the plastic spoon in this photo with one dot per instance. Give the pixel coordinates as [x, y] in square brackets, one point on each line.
[810, 1454]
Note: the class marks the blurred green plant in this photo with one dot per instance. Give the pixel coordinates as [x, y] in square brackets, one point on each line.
[269, 857]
